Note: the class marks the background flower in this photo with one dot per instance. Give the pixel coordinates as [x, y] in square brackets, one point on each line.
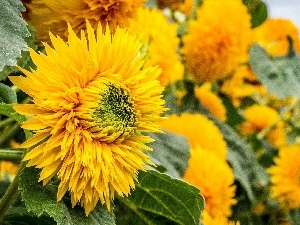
[90, 106]
[212, 49]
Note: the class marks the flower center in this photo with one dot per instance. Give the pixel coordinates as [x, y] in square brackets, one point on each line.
[115, 114]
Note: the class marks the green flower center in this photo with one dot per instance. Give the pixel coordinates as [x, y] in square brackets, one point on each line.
[115, 114]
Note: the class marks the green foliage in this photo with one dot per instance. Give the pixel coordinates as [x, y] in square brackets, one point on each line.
[7, 95]
[41, 199]
[258, 11]
[7, 110]
[280, 75]
[13, 30]
[159, 199]
[170, 153]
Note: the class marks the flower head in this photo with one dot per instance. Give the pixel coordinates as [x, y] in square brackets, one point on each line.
[203, 171]
[90, 106]
[51, 15]
[285, 176]
[199, 131]
[212, 49]
[211, 101]
[159, 37]
[272, 35]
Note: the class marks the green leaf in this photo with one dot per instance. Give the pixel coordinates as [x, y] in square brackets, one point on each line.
[7, 95]
[7, 110]
[258, 11]
[281, 75]
[13, 30]
[41, 199]
[159, 199]
[170, 151]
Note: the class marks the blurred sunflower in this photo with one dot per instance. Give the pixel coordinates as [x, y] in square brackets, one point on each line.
[211, 101]
[204, 171]
[159, 37]
[242, 83]
[90, 106]
[272, 35]
[285, 177]
[199, 131]
[222, 220]
[261, 117]
[8, 170]
[212, 49]
[52, 15]
[172, 4]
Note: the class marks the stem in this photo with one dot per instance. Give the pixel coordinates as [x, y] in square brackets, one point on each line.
[5, 122]
[13, 155]
[7, 135]
[11, 193]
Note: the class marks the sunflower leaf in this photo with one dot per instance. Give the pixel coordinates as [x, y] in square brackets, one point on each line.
[159, 199]
[170, 151]
[7, 95]
[41, 199]
[7, 110]
[280, 75]
[13, 30]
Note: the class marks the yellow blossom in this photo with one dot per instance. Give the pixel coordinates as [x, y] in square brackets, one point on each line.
[211, 101]
[212, 49]
[8, 169]
[91, 102]
[272, 35]
[215, 179]
[285, 177]
[159, 37]
[221, 220]
[52, 15]
[199, 131]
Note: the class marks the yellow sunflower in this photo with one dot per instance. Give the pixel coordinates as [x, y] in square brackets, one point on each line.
[214, 178]
[199, 131]
[52, 15]
[272, 35]
[221, 220]
[91, 101]
[261, 117]
[285, 177]
[8, 169]
[218, 40]
[211, 101]
[159, 37]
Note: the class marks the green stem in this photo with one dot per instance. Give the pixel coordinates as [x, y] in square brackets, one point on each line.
[13, 155]
[6, 135]
[6, 121]
[12, 192]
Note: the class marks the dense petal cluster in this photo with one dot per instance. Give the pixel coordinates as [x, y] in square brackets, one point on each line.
[159, 37]
[90, 105]
[199, 130]
[52, 15]
[285, 176]
[211, 101]
[272, 36]
[212, 49]
[203, 171]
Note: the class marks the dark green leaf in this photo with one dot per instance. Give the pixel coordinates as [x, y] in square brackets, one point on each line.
[159, 199]
[7, 95]
[41, 199]
[7, 110]
[170, 151]
[258, 11]
[13, 30]
[281, 76]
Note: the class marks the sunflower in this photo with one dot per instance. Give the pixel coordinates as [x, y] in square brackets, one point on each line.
[52, 15]
[203, 171]
[272, 35]
[199, 131]
[90, 106]
[221, 220]
[211, 101]
[8, 169]
[212, 49]
[159, 37]
[285, 177]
